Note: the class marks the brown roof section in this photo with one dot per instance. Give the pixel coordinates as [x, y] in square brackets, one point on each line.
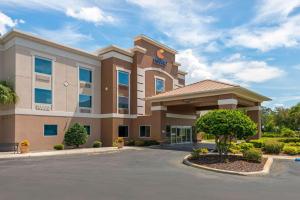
[206, 87]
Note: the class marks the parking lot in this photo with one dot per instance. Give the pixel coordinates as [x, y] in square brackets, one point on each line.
[138, 174]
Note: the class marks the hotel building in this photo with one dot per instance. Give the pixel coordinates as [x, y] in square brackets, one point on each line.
[136, 93]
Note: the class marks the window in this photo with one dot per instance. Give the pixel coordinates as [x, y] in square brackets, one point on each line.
[159, 85]
[123, 131]
[85, 75]
[123, 102]
[145, 131]
[123, 78]
[85, 101]
[43, 66]
[88, 129]
[43, 96]
[50, 130]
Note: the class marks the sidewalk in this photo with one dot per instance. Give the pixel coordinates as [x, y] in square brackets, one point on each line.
[11, 155]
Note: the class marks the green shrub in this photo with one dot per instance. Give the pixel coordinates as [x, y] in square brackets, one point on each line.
[97, 144]
[289, 140]
[294, 144]
[139, 143]
[253, 155]
[129, 143]
[271, 134]
[272, 147]
[195, 154]
[246, 146]
[286, 132]
[76, 135]
[290, 150]
[145, 143]
[234, 148]
[259, 143]
[58, 147]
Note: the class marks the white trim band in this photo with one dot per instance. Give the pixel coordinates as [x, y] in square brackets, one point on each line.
[116, 55]
[156, 108]
[227, 102]
[178, 116]
[64, 114]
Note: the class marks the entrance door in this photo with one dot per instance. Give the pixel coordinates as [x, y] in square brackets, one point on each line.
[181, 134]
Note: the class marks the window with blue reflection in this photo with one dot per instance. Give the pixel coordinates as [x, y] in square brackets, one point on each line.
[159, 85]
[123, 78]
[85, 75]
[43, 96]
[50, 130]
[43, 66]
[85, 101]
[123, 102]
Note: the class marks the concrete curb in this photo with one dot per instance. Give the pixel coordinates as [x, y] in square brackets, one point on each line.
[265, 171]
[65, 152]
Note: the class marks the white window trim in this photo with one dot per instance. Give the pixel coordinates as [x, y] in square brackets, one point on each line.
[160, 78]
[128, 130]
[50, 135]
[53, 60]
[129, 85]
[140, 131]
[84, 66]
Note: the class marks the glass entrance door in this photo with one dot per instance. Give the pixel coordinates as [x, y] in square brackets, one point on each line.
[181, 134]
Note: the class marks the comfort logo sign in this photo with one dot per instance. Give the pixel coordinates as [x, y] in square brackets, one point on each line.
[160, 53]
[159, 59]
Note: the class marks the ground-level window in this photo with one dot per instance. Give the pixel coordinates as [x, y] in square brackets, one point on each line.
[123, 131]
[50, 130]
[88, 129]
[145, 131]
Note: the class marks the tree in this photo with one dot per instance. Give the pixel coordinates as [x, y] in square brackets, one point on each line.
[7, 94]
[226, 125]
[76, 135]
[294, 117]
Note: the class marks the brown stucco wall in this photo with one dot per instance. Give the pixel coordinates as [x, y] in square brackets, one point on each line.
[7, 129]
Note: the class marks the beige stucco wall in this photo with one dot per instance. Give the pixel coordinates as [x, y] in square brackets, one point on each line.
[64, 70]
[34, 132]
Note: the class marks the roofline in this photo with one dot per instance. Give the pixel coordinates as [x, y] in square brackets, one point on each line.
[182, 72]
[235, 90]
[17, 33]
[156, 43]
[114, 48]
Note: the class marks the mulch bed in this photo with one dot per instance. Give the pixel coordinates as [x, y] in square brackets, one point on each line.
[235, 163]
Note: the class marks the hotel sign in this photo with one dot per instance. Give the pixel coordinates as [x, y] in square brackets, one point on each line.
[159, 59]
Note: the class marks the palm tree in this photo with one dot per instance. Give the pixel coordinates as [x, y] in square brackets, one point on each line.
[7, 94]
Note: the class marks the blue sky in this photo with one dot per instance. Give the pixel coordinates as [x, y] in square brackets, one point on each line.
[254, 43]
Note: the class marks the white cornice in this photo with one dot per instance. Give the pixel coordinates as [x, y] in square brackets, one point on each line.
[139, 49]
[156, 108]
[114, 48]
[113, 54]
[155, 43]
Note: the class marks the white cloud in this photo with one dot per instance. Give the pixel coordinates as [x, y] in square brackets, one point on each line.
[82, 10]
[6, 22]
[184, 21]
[235, 69]
[68, 35]
[273, 27]
[89, 14]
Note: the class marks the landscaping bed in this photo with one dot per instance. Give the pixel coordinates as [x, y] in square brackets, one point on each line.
[234, 163]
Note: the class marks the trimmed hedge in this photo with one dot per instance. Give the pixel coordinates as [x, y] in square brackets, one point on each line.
[59, 147]
[272, 147]
[144, 143]
[291, 150]
[289, 140]
[259, 143]
[253, 155]
[97, 144]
